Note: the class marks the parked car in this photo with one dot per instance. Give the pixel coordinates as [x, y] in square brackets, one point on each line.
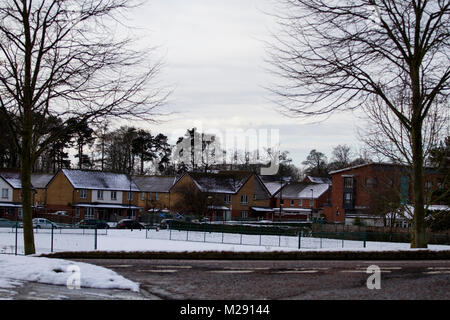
[93, 224]
[129, 224]
[165, 223]
[42, 223]
[5, 223]
[60, 213]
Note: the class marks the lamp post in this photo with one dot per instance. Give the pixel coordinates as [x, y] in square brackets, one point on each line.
[312, 202]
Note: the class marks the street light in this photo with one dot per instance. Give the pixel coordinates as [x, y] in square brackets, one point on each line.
[312, 202]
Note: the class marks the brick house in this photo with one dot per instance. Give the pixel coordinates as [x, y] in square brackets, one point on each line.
[11, 193]
[365, 191]
[39, 182]
[222, 195]
[154, 191]
[301, 200]
[93, 194]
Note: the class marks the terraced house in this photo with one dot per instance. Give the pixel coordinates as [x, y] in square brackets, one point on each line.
[11, 193]
[94, 194]
[221, 195]
[154, 192]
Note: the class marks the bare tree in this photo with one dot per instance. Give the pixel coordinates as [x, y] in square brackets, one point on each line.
[336, 54]
[63, 58]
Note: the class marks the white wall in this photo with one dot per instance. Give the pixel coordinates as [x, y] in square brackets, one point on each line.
[107, 197]
[4, 185]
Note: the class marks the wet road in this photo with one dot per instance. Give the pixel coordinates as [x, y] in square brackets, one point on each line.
[284, 280]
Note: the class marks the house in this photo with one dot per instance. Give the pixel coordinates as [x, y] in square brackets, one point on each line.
[154, 191]
[221, 195]
[93, 194]
[11, 194]
[39, 182]
[301, 201]
[364, 192]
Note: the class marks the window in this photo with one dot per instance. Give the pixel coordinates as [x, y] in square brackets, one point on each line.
[348, 197]
[292, 202]
[227, 198]
[371, 182]
[300, 203]
[100, 194]
[5, 194]
[113, 195]
[156, 196]
[149, 196]
[281, 202]
[348, 182]
[83, 194]
[254, 197]
[129, 195]
[89, 214]
[77, 212]
[244, 199]
[20, 213]
[142, 196]
[244, 214]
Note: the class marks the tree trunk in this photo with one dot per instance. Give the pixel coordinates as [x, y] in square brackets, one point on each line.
[419, 236]
[25, 172]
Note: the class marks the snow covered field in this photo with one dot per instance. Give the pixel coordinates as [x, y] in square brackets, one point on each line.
[167, 240]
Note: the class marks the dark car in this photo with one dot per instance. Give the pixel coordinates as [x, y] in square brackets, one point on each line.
[93, 224]
[129, 224]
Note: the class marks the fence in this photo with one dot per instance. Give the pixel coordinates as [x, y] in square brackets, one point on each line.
[283, 235]
[51, 239]
[247, 233]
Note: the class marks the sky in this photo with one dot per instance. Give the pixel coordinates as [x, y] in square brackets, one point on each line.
[215, 58]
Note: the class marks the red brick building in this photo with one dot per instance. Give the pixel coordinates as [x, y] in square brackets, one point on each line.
[364, 191]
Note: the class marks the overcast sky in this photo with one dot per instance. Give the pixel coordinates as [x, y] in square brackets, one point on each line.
[214, 56]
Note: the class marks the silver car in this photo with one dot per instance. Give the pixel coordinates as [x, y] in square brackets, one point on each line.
[42, 223]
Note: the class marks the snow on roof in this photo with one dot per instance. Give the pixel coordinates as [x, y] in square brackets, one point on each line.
[83, 179]
[273, 183]
[12, 178]
[221, 182]
[154, 183]
[40, 180]
[302, 190]
[319, 180]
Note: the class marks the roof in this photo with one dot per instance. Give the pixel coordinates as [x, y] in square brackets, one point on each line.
[381, 164]
[84, 179]
[40, 180]
[220, 182]
[319, 180]
[272, 183]
[154, 183]
[302, 190]
[12, 178]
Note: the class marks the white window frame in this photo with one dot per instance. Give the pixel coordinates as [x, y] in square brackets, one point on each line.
[228, 198]
[129, 195]
[142, 196]
[5, 193]
[89, 213]
[100, 194]
[244, 199]
[292, 202]
[156, 196]
[244, 214]
[113, 195]
[83, 193]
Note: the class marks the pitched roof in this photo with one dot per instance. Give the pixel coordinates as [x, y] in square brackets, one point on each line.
[302, 190]
[220, 182]
[154, 183]
[84, 179]
[319, 180]
[40, 180]
[12, 178]
[272, 183]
